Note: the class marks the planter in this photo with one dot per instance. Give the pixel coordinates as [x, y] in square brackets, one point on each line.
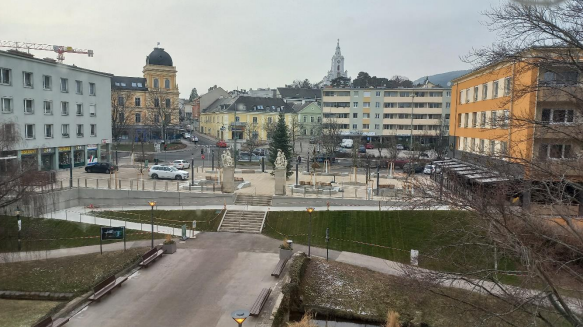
[169, 248]
[285, 254]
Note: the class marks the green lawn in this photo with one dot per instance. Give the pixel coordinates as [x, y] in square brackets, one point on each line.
[47, 234]
[24, 313]
[207, 220]
[385, 234]
[73, 274]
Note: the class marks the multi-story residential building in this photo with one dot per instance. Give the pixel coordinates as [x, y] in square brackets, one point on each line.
[523, 116]
[147, 107]
[295, 95]
[243, 117]
[422, 112]
[309, 117]
[62, 112]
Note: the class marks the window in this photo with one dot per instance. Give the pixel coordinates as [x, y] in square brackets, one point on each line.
[555, 151]
[49, 131]
[65, 130]
[305, 119]
[27, 79]
[64, 85]
[79, 130]
[92, 129]
[137, 102]
[93, 89]
[365, 126]
[495, 89]
[376, 126]
[366, 104]
[167, 84]
[493, 119]
[391, 94]
[505, 118]
[377, 93]
[156, 102]
[390, 105]
[29, 106]
[481, 146]
[472, 144]
[312, 119]
[354, 126]
[355, 104]
[319, 118]
[64, 108]
[137, 118]
[167, 117]
[507, 86]
[355, 115]
[504, 148]
[376, 116]
[434, 105]
[237, 118]
[79, 109]
[365, 115]
[48, 107]
[448, 105]
[466, 120]
[492, 147]
[254, 120]
[92, 110]
[355, 93]
[557, 116]
[483, 119]
[465, 145]
[270, 120]
[47, 82]
[168, 103]
[156, 83]
[78, 87]
[6, 105]
[475, 93]
[484, 91]
[377, 104]
[366, 94]
[29, 131]
[461, 97]
[6, 76]
[404, 104]
[474, 119]
[467, 95]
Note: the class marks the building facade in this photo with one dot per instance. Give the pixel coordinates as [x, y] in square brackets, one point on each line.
[423, 112]
[61, 112]
[309, 118]
[296, 95]
[336, 68]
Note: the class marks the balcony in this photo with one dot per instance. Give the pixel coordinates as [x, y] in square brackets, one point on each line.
[559, 93]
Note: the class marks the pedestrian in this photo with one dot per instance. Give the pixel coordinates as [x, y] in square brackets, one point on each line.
[298, 159]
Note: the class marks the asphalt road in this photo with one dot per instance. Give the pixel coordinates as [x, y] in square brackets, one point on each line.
[199, 286]
[193, 149]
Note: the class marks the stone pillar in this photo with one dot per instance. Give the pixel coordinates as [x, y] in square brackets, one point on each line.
[228, 180]
[280, 179]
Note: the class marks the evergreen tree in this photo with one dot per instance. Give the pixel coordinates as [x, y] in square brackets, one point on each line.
[281, 140]
[193, 94]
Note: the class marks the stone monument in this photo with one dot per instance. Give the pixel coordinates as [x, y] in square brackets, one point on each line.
[228, 172]
[280, 173]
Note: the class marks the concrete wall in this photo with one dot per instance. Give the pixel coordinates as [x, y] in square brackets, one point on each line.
[104, 198]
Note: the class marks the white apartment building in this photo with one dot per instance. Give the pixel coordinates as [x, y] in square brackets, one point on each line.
[62, 112]
[390, 112]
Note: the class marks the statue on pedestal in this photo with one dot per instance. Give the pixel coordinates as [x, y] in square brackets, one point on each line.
[281, 161]
[227, 160]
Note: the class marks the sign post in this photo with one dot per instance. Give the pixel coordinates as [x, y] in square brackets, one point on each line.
[112, 233]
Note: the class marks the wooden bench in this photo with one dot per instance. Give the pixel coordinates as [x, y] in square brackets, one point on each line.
[49, 322]
[152, 255]
[279, 268]
[106, 287]
[238, 179]
[304, 183]
[211, 178]
[260, 302]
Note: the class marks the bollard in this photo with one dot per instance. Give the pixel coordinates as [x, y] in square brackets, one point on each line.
[80, 217]
[62, 185]
[65, 214]
[214, 187]
[85, 182]
[109, 184]
[119, 184]
[154, 185]
[131, 183]
[142, 185]
[166, 186]
[177, 186]
[78, 183]
[97, 183]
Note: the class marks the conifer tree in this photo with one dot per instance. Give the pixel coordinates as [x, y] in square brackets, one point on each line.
[281, 140]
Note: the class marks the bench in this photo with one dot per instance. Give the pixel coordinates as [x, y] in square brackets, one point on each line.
[211, 178]
[279, 268]
[304, 183]
[260, 302]
[152, 255]
[49, 322]
[238, 179]
[106, 287]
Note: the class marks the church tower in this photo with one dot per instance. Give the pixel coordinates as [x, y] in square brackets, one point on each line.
[337, 68]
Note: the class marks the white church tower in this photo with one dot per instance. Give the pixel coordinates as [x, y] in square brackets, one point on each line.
[337, 69]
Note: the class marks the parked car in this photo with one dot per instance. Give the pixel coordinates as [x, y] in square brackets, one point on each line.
[369, 146]
[101, 167]
[159, 171]
[400, 147]
[221, 144]
[194, 139]
[322, 157]
[429, 169]
[181, 164]
[413, 168]
[362, 149]
[347, 143]
[261, 152]
[398, 163]
[187, 136]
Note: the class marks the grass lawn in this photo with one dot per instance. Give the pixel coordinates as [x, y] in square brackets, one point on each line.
[396, 233]
[48, 234]
[207, 220]
[347, 291]
[73, 274]
[24, 313]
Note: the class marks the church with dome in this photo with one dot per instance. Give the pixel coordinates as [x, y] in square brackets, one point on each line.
[337, 68]
[147, 107]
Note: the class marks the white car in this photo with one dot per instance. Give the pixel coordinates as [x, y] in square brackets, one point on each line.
[187, 136]
[181, 164]
[429, 169]
[194, 138]
[158, 171]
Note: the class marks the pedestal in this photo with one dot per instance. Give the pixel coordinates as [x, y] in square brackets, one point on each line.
[280, 180]
[228, 180]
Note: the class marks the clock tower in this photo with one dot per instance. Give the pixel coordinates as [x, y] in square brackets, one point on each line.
[337, 68]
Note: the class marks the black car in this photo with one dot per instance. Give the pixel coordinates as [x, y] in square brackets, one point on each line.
[413, 168]
[101, 167]
[322, 158]
[362, 149]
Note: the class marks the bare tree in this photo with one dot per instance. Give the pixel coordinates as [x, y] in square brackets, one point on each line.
[295, 128]
[162, 110]
[330, 135]
[252, 140]
[123, 110]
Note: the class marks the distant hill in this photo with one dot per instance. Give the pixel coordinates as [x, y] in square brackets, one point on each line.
[443, 78]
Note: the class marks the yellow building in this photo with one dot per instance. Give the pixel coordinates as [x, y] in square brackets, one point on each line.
[243, 117]
[147, 107]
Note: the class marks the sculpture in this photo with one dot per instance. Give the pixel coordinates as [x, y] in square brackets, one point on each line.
[281, 161]
[227, 160]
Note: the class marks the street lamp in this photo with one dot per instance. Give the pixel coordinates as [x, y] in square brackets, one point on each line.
[192, 161]
[19, 225]
[310, 210]
[239, 316]
[152, 204]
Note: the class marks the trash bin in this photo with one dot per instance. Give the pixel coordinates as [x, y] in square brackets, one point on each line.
[156, 161]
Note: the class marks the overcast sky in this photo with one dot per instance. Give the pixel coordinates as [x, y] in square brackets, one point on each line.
[255, 43]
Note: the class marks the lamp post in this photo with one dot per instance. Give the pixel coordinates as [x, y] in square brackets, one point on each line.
[240, 316]
[192, 161]
[310, 210]
[152, 204]
[19, 225]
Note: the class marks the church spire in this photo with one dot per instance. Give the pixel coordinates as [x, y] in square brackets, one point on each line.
[338, 52]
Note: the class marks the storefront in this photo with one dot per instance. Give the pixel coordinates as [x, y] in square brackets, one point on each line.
[64, 157]
[79, 156]
[7, 160]
[48, 159]
[92, 154]
[29, 159]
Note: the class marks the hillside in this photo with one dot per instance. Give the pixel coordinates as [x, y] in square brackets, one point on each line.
[443, 78]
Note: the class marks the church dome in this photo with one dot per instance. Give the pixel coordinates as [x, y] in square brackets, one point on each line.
[159, 57]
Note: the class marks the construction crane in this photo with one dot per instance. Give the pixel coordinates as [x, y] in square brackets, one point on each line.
[60, 49]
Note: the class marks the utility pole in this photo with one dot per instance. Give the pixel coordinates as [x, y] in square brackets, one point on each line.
[412, 98]
[233, 135]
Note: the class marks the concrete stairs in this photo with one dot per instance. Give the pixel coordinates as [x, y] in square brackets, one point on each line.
[237, 221]
[253, 200]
